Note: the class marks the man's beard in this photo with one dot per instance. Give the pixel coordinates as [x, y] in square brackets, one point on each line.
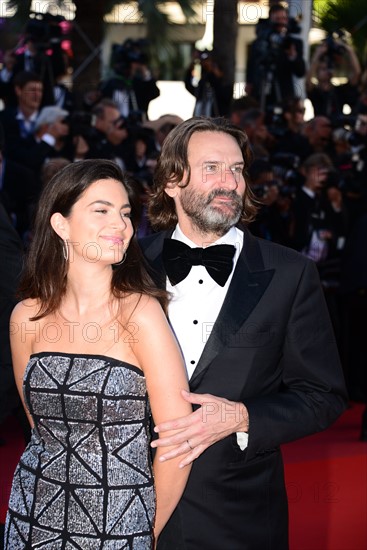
[208, 218]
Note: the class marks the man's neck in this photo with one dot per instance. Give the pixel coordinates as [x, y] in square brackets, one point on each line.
[200, 238]
[27, 113]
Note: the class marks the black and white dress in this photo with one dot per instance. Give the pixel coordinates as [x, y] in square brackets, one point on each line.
[85, 479]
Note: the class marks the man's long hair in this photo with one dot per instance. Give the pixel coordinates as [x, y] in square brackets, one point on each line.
[173, 167]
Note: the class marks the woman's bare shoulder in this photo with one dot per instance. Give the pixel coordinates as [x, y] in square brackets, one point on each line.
[25, 310]
[141, 308]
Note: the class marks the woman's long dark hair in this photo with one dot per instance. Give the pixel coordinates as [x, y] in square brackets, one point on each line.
[45, 273]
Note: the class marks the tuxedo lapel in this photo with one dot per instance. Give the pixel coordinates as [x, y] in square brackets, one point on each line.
[152, 248]
[249, 282]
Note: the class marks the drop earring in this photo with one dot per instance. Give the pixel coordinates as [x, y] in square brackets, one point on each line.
[65, 250]
[123, 259]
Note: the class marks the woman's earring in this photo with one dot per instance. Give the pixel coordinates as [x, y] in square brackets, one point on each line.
[123, 259]
[65, 250]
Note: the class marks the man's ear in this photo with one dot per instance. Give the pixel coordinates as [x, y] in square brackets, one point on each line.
[60, 225]
[171, 189]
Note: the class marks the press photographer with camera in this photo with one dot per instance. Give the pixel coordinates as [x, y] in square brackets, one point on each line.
[132, 85]
[274, 215]
[213, 96]
[102, 133]
[289, 130]
[276, 56]
[320, 216]
[334, 56]
[41, 52]
[355, 180]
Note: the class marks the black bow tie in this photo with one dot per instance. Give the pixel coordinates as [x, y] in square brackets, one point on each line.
[178, 259]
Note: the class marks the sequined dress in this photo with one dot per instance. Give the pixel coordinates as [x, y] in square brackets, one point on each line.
[85, 479]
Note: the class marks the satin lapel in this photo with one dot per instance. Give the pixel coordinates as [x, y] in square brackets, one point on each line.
[152, 250]
[249, 282]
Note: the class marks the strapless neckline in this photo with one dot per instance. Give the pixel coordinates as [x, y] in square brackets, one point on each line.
[87, 356]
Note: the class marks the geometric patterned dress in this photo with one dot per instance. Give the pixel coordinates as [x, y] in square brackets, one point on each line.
[85, 479]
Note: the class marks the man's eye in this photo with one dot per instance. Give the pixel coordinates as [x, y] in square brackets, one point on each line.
[237, 169]
[211, 167]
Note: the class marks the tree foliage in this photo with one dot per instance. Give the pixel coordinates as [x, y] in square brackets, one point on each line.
[344, 14]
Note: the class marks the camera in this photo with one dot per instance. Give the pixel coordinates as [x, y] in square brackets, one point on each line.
[272, 41]
[275, 121]
[44, 30]
[285, 167]
[81, 124]
[261, 190]
[334, 47]
[131, 51]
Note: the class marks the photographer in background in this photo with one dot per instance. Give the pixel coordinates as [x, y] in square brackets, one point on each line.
[102, 133]
[276, 56]
[319, 228]
[274, 215]
[355, 189]
[213, 97]
[132, 86]
[330, 57]
[41, 52]
[19, 121]
[7, 92]
[289, 128]
[253, 123]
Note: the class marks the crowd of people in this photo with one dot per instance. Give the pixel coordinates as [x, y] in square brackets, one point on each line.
[250, 182]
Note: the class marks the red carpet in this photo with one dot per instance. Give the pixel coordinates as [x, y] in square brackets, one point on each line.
[326, 477]
[11, 433]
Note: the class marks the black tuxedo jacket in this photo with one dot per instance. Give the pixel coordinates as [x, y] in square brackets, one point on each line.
[272, 347]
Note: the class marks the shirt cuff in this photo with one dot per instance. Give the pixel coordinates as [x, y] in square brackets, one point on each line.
[242, 440]
[49, 139]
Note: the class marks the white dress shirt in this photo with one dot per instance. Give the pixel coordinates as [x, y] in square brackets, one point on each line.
[195, 305]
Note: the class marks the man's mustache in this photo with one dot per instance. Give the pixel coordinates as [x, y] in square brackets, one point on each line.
[232, 195]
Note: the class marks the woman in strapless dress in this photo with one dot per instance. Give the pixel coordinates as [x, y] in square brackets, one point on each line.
[94, 359]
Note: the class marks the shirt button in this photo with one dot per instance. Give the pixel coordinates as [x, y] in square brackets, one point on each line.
[193, 362]
[201, 281]
[195, 322]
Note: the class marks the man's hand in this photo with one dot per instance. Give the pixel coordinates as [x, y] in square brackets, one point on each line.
[214, 420]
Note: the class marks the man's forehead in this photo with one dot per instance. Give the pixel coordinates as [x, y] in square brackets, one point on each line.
[33, 84]
[211, 148]
[280, 15]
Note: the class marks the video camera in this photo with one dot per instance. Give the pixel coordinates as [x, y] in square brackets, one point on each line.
[44, 29]
[334, 47]
[130, 51]
[81, 124]
[272, 41]
[285, 168]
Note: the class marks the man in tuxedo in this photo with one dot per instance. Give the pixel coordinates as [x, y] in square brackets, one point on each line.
[257, 341]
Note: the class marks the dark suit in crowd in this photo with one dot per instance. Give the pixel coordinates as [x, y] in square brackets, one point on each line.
[11, 253]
